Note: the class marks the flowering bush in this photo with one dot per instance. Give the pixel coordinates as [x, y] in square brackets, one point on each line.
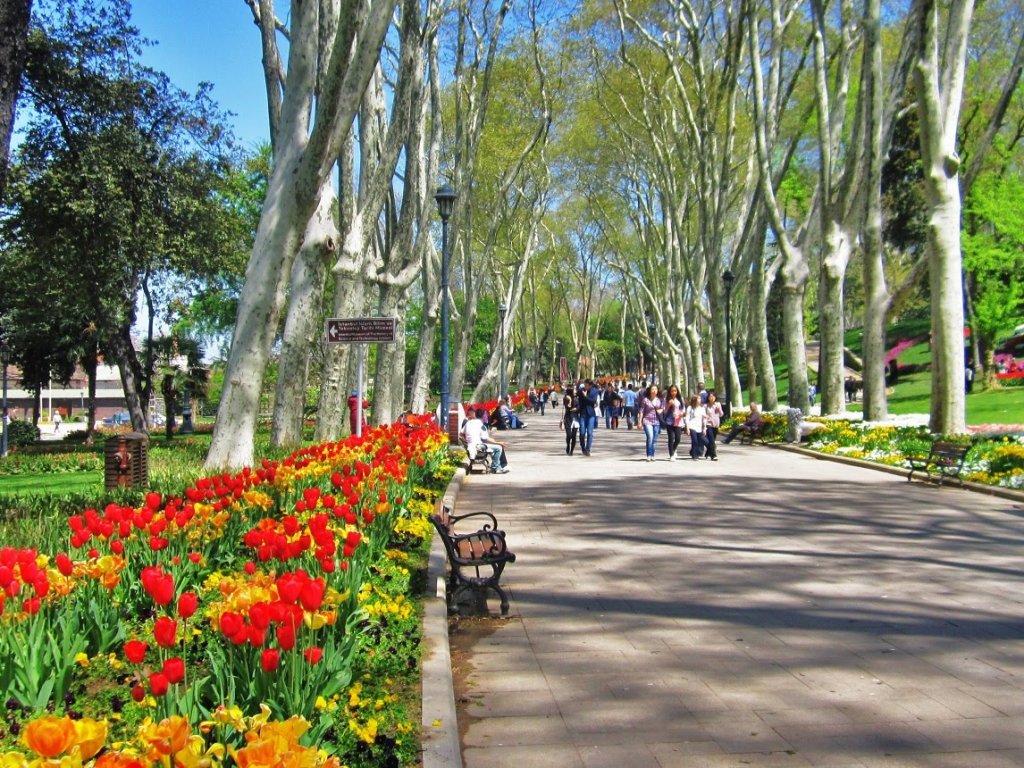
[990, 460]
[246, 595]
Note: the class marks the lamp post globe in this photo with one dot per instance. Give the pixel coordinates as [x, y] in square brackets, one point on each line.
[445, 198]
[727, 278]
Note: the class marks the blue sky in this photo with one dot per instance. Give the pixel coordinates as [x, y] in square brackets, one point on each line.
[215, 41]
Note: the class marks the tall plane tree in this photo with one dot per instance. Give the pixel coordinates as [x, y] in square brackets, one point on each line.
[938, 80]
[14, 18]
[310, 138]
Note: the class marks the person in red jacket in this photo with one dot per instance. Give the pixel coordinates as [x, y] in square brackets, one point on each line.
[355, 412]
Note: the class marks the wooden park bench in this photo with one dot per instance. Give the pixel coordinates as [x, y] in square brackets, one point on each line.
[944, 460]
[476, 560]
[748, 436]
[481, 456]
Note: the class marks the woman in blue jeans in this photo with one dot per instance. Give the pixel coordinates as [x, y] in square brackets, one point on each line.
[651, 409]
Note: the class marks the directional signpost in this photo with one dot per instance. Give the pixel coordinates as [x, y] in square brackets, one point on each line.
[361, 331]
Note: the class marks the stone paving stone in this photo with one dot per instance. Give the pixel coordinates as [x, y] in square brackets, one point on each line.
[977, 734]
[634, 756]
[539, 703]
[516, 731]
[500, 681]
[547, 756]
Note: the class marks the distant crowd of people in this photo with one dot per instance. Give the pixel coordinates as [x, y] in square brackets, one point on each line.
[697, 417]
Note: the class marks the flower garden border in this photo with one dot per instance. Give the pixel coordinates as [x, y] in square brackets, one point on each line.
[991, 490]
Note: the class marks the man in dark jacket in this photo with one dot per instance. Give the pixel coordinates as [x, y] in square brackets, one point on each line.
[752, 423]
[588, 402]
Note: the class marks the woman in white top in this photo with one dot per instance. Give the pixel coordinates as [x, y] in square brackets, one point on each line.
[695, 426]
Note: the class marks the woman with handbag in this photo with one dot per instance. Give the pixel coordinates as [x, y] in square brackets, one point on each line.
[570, 420]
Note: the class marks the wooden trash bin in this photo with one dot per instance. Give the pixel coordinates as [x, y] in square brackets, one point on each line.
[126, 461]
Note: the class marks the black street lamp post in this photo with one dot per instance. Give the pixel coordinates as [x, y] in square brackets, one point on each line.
[727, 279]
[3, 441]
[445, 197]
[503, 309]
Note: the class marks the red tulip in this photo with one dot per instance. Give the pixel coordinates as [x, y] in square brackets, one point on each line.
[269, 659]
[135, 651]
[255, 636]
[174, 669]
[314, 654]
[153, 500]
[158, 585]
[289, 587]
[165, 632]
[158, 684]
[230, 623]
[188, 602]
[312, 595]
[286, 637]
[138, 692]
[41, 584]
[64, 564]
[259, 615]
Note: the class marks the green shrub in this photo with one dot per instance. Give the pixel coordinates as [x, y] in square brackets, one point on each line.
[21, 433]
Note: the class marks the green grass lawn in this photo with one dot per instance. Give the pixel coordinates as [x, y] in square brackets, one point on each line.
[71, 482]
[912, 392]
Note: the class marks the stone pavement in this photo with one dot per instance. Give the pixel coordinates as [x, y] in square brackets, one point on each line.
[769, 609]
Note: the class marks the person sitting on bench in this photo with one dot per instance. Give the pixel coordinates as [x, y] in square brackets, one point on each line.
[474, 432]
[509, 417]
[752, 424]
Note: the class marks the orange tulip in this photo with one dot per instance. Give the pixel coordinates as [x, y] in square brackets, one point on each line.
[50, 737]
[118, 760]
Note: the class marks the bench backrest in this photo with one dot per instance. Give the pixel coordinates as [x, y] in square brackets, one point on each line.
[482, 547]
[949, 451]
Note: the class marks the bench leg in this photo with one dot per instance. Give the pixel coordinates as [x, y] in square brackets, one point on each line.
[504, 598]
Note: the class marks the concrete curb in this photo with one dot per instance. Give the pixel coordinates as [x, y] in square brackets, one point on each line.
[439, 720]
[990, 490]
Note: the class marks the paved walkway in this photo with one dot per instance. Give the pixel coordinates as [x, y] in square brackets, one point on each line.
[770, 609]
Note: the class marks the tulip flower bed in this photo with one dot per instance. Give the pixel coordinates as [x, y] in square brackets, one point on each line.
[256, 618]
[992, 460]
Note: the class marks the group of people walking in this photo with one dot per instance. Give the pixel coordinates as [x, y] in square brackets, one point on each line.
[698, 417]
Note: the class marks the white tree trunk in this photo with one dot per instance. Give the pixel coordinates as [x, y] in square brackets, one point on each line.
[876, 293]
[831, 361]
[302, 164]
[938, 77]
[303, 330]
